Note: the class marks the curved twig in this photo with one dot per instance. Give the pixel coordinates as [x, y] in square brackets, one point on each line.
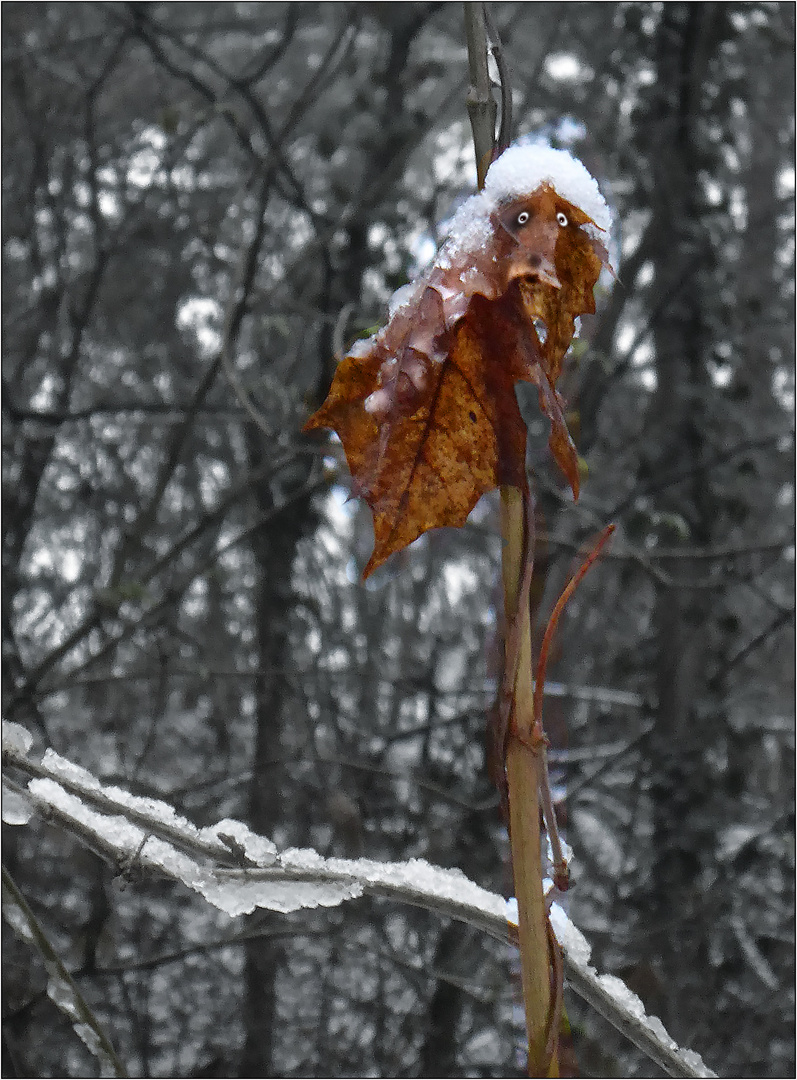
[550, 629]
[512, 657]
[561, 874]
[504, 137]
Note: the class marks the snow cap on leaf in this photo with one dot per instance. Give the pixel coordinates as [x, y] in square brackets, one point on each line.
[521, 169]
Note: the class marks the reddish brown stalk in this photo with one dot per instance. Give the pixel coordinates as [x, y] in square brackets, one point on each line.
[515, 630]
[523, 785]
[561, 874]
[557, 993]
[550, 629]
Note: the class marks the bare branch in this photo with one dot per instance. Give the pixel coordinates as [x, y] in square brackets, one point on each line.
[61, 988]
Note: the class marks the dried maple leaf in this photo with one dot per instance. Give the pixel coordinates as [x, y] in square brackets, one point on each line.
[426, 408]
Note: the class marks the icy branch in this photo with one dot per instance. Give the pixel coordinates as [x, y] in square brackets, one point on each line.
[238, 871]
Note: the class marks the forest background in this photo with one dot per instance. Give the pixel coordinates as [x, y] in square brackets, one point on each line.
[202, 205]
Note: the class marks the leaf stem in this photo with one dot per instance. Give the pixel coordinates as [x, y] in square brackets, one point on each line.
[550, 629]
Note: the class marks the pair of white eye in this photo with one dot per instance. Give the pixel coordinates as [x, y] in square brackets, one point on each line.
[523, 217]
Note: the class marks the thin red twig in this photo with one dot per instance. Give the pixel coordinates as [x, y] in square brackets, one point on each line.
[561, 875]
[550, 629]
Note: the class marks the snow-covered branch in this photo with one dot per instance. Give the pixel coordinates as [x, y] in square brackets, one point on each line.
[238, 871]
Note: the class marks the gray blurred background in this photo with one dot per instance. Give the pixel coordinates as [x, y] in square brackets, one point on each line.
[202, 204]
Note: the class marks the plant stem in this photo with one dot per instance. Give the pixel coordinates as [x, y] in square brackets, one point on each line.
[522, 763]
[523, 780]
[481, 104]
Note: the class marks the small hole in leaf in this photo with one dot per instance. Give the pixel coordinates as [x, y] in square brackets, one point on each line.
[472, 416]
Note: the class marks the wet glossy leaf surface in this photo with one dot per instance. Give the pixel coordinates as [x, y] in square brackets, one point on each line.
[426, 409]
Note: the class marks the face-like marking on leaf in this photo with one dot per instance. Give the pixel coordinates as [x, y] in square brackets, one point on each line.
[426, 409]
[534, 224]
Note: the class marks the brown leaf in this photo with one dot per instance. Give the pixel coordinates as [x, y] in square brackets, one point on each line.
[426, 409]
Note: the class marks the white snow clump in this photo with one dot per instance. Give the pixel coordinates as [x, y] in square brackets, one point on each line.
[575, 945]
[17, 810]
[520, 170]
[237, 836]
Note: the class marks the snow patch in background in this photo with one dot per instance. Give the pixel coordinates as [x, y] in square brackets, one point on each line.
[16, 737]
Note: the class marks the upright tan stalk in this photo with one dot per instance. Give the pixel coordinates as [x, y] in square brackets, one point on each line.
[522, 764]
[481, 104]
[523, 781]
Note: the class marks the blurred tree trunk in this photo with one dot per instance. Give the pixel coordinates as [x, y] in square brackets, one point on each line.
[439, 1050]
[274, 549]
[678, 421]
[765, 336]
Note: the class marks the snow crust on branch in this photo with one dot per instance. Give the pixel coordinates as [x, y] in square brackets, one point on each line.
[238, 871]
[614, 1000]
